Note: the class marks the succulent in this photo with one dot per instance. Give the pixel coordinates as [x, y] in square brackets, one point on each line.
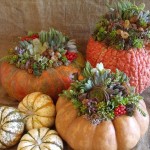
[38, 51]
[125, 26]
[103, 95]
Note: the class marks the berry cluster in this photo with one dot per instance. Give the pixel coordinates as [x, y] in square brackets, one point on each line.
[120, 110]
[28, 38]
[71, 56]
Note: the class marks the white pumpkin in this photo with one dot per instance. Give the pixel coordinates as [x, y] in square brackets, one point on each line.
[41, 139]
[11, 126]
[38, 109]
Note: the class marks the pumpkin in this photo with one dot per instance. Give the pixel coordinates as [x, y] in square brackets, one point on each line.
[135, 63]
[11, 126]
[122, 133]
[114, 43]
[18, 83]
[38, 109]
[91, 117]
[41, 139]
[46, 62]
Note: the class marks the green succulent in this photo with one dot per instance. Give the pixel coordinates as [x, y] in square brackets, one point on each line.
[100, 92]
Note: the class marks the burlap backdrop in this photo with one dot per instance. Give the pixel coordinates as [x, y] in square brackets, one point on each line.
[76, 18]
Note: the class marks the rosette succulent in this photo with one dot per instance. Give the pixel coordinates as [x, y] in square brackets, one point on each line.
[100, 109]
[45, 62]
[120, 40]
[103, 95]
[39, 51]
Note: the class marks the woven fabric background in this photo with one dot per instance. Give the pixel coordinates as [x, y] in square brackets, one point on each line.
[75, 18]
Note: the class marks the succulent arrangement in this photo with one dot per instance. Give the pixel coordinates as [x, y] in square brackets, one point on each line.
[103, 95]
[38, 51]
[125, 26]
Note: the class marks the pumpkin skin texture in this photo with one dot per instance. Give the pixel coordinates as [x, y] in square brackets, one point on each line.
[38, 109]
[123, 133]
[11, 126]
[135, 63]
[18, 83]
[41, 139]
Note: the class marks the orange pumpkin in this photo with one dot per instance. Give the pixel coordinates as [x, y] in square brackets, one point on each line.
[18, 83]
[123, 133]
[135, 63]
[119, 41]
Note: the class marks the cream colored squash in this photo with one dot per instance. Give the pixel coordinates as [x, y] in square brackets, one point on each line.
[38, 109]
[11, 126]
[41, 139]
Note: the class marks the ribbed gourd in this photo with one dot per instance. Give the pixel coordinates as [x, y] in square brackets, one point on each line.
[38, 110]
[120, 41]
[41, 139]
[11, 126]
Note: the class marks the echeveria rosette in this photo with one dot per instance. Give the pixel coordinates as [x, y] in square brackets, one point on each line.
[39, 51]
[125, 26]
[103, 95]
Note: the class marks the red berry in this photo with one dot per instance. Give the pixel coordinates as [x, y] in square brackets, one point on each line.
[71, 56]
[120, 110]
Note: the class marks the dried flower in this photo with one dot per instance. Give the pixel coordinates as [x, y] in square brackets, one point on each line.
[126, 24]
[124, 34]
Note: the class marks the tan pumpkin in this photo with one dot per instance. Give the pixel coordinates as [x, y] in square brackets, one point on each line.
[11, 126]
[38, 109]
[41, 139]
[123, 133]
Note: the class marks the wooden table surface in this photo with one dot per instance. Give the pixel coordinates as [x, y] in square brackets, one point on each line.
[144, 143]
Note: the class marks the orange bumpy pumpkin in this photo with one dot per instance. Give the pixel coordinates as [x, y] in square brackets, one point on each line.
[135, 63]
[122, 133]
[18, 83]
[119, 42]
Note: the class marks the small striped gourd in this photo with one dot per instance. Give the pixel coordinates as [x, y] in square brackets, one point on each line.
[38, 109]
[11, 126]
[41, 139]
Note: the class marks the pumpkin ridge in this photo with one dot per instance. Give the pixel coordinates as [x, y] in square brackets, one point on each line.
[45, 116]
[60, 77]
[7, 131]
[36, 99]
[48, 104]
[9, 114]
[33, 147]
[54, 144]
[3, 143]
[1, 114]
[37, 120]
[11, 82]
[24, 106]
[19, 120]
[47, 147]
[26, 146]
[44, 134]
[31, 136]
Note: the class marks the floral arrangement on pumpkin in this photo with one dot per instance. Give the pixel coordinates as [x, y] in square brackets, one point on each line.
[103, 95]
[38, 51]
[125, 26]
